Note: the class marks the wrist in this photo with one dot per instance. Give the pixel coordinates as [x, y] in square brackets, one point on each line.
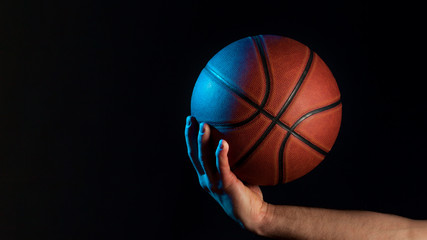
[264, 224]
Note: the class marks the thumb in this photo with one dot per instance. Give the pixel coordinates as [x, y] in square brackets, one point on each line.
[226, 175]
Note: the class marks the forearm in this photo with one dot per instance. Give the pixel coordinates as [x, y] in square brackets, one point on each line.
[291, 222]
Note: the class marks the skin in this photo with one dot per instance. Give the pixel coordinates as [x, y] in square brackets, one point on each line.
[244, 203]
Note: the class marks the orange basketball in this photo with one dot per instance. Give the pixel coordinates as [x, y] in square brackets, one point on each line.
[275, 102]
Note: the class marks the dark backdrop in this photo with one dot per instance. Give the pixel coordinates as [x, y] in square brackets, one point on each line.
[94, 95]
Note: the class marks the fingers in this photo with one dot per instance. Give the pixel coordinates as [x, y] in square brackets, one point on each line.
[226, 175]
[202, 155]
[222, 157]
[206, 157]
[191, 135]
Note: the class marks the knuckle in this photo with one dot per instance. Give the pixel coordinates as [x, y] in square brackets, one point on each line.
[215, 187]
[204, 186]
[202, 182]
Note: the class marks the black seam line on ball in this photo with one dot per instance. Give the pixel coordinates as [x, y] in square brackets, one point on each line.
[309, 114]
[288, 134]
[219, 79]
[275, 120]
[260, 49]
[297, 86]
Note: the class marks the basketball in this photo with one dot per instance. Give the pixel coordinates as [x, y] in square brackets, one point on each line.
[275, 102]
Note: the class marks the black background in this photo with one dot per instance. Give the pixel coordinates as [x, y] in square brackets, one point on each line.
[94, 95]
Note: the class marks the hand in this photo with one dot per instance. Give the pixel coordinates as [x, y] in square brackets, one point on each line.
[243, 203]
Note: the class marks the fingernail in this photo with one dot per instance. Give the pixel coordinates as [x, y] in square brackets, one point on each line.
[202, 128]
[221, 144]
[188, 121]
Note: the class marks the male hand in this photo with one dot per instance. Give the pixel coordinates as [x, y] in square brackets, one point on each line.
[242, 202]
